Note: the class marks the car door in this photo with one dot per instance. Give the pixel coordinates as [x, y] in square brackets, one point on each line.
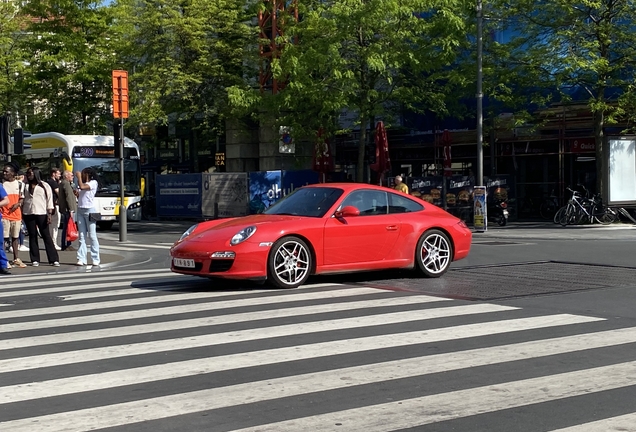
[364, 238]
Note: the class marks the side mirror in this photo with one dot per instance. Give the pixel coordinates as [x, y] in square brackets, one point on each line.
[347, 212]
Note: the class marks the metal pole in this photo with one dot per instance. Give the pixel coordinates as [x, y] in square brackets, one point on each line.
[123, 214]
[480, 115]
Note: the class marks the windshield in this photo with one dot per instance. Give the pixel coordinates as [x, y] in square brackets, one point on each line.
[312, 202]
[108, 171]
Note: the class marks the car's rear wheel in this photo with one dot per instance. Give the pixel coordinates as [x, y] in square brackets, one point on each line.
[289, 263]
[433, 254]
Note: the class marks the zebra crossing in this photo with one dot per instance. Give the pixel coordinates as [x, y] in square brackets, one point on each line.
[136, 350]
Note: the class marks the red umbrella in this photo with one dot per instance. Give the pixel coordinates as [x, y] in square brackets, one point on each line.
[446, 142]
[322, 158]
[382, 160]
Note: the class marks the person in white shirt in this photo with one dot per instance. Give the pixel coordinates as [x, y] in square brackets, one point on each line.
[88, 183]
[37, 211]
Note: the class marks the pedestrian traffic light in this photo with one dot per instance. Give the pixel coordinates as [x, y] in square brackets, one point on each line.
[19, 135]
[117, 135]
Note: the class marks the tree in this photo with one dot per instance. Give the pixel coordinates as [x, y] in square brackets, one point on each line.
[183, 55]
[68, 77]
[368, 57]
[573, 44]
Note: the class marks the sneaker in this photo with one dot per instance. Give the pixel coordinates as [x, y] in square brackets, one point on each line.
[10, 249]
[96, 263]
[80, 264]
[56, 264]
[18, 263]
[4, 271]
[24, 248]
[57, 247]
[8, 265]
[35, 264]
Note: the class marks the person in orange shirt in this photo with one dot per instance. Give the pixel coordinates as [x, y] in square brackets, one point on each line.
[12, 213]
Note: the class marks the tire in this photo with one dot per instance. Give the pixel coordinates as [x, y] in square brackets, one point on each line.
[105, 225]
[559, 214]
[434, 253]
[608, 217]
[289, 263]
[502, 221]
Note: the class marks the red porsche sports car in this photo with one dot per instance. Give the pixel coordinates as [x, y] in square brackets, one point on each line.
[322, 229]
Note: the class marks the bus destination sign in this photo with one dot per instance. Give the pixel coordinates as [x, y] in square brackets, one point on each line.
[103, 152]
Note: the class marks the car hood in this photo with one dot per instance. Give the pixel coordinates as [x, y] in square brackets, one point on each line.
[226, 230]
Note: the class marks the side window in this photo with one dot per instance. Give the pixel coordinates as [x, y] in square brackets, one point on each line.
[400, 204]
[369, 202]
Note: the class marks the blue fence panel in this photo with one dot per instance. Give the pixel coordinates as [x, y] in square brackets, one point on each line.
[179, 195]
[265, 188]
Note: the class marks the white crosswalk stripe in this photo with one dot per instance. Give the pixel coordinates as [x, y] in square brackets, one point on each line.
[118, 348]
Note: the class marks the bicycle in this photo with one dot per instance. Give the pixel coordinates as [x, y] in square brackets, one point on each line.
[549, 206]
[580, 209]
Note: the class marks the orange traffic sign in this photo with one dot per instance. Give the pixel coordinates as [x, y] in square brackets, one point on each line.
[120, 94]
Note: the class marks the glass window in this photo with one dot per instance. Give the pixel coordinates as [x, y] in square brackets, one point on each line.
[312, 202]
[400, 204]
[369, 202]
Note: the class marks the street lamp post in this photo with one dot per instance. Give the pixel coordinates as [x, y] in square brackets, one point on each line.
[480, 96]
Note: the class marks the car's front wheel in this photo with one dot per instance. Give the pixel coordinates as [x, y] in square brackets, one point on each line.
[433, 254]
[289, 263]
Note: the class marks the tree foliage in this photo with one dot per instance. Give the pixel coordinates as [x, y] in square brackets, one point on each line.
[368, 57]
[569, 45]
[183, 55]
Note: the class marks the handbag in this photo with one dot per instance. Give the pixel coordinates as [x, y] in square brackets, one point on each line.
[94, 217]
[71, 230]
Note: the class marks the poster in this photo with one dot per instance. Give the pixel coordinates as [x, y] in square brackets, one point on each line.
[179, 195]
[265, 188]
[224, 195]
[480, 219]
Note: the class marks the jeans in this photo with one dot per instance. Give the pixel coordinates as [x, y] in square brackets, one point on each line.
[40, 223]
[86, 226]
[4, 262]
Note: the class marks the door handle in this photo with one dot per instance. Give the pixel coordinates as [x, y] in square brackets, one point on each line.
[392, 228]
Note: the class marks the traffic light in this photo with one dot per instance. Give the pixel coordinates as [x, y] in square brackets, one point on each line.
[4, 134]
[18, 140]
[117, 135]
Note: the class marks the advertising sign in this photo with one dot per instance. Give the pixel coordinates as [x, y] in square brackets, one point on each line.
[265, 188]
[179, 195]
[620, 178]
[480, 219]
[292, 180]
[224, 195]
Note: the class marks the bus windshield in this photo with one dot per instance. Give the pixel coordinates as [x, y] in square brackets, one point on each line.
[108, 172]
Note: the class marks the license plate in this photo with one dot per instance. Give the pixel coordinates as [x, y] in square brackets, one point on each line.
[180, 262]
[107, 218]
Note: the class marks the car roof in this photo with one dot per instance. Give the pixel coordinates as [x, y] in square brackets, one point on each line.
[348, 186]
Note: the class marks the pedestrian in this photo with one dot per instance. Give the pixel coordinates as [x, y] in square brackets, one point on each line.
[67, 204]
[88, 182]
[4, 262]
[400, 186]
[12, 213]
[37, 211]
[54, 182]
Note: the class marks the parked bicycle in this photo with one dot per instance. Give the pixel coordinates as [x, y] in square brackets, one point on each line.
[581, 209]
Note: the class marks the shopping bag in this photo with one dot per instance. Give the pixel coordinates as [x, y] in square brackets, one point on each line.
[71, 231]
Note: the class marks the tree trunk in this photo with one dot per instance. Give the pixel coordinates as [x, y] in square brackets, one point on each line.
[361, 148]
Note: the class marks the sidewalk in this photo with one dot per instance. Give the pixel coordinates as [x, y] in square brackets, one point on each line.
[546, 230]
[67, 262]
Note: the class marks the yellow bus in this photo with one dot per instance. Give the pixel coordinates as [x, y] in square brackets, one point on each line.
[76, 152]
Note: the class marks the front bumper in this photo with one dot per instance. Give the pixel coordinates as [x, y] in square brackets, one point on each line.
[250, 260]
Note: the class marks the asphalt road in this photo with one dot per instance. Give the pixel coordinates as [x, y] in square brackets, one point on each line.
[534, 331]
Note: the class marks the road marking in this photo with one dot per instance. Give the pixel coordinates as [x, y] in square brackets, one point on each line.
[418, 366]
[624, 423]
[380, 319]
[401, 414]
[425, 336]
[45, 280]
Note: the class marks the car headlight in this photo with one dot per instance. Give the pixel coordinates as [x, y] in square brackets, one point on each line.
[243, 235]
[188, 232]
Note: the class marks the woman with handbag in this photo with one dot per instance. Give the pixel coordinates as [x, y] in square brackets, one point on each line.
[67, 202]
[88, 183]
[37, 211]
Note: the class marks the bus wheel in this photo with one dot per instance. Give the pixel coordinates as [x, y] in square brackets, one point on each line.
[105, 225]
